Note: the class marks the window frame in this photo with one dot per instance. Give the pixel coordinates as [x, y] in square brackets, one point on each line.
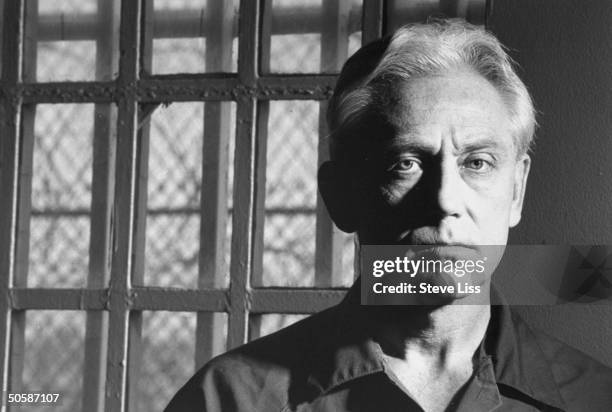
[114, 308]
[113, 297]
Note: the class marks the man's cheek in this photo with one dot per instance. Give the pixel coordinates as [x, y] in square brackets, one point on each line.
[499, 188]
[389, 197]
[395, 194]
[491, 216]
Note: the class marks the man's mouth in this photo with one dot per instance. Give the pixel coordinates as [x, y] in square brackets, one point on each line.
[443, 251]
[434, 240]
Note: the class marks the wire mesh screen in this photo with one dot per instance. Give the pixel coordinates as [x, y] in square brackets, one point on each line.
[291, 197]
[159, 184]
[53, 357]
[76, 40]
[71, 39]
[300, 31]
[175, 176]
[187, 34]
[167, 358]
[176, 151]
[82, 53]
[289, 229]
[271, 322]
[61, 195]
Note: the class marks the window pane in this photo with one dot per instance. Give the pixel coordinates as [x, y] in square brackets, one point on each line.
[192, 36]
[291, 199]
[271, 322]
[71, 40]
[168, 356]
[178, 134]
[61, 195]
[53, 358]
[348, 260]
[310, 36]
[291, 194]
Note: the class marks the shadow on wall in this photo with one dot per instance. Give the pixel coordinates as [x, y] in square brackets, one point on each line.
[563, 48]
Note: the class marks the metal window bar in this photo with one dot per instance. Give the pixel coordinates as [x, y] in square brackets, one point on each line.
[9, 178]
[244, 178]
[213, 201]
[104, 155]
[263, 113]
[18, 325]
[170, 24]
[117, 200]
[142, 61]
[334, 51]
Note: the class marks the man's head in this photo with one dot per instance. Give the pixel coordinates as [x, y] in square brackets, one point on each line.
[430, 130]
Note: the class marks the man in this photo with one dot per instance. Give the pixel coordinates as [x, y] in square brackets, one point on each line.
[430, 130]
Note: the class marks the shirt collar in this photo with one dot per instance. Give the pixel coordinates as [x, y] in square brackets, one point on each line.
[518, 359]
[349, 351]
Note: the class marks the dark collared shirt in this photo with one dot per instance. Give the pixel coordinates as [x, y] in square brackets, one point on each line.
[329, 362]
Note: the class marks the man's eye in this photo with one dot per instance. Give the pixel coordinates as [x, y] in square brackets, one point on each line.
[405, 166]
[478, 164]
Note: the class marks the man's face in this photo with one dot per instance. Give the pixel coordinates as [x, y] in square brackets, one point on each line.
[444, 167]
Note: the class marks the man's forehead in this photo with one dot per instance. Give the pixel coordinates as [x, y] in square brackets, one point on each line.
[466, 107]
[416, 143]
[404, 99]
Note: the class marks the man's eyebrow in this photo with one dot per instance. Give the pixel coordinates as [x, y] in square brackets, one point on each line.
[402, 145]
[423, 147]
[479, 143]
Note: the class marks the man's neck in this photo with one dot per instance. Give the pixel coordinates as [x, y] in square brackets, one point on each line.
[445, 336]
[429, 350]
[439, 335]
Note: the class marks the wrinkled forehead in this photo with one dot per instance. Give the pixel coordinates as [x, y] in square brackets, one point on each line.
[459, 100]
[422, 111]
[404, 101]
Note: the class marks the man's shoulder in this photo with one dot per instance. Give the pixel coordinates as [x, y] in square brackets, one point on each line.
[282, 350]
[257, 376]
[581, 379]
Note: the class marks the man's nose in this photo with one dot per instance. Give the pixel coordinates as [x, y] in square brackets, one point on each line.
[447, 190]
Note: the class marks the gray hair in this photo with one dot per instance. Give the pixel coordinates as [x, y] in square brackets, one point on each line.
[425, 49]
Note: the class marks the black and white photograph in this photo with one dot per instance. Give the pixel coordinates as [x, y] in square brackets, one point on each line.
[306, 205]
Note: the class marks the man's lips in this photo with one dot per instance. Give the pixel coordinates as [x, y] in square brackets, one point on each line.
[443, 251]
[434, 236]
[433, 242]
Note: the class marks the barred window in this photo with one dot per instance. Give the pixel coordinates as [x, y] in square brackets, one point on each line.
[158, 199]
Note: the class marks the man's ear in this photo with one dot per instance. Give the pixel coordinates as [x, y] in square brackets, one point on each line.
[337, 190]
[521, 172]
